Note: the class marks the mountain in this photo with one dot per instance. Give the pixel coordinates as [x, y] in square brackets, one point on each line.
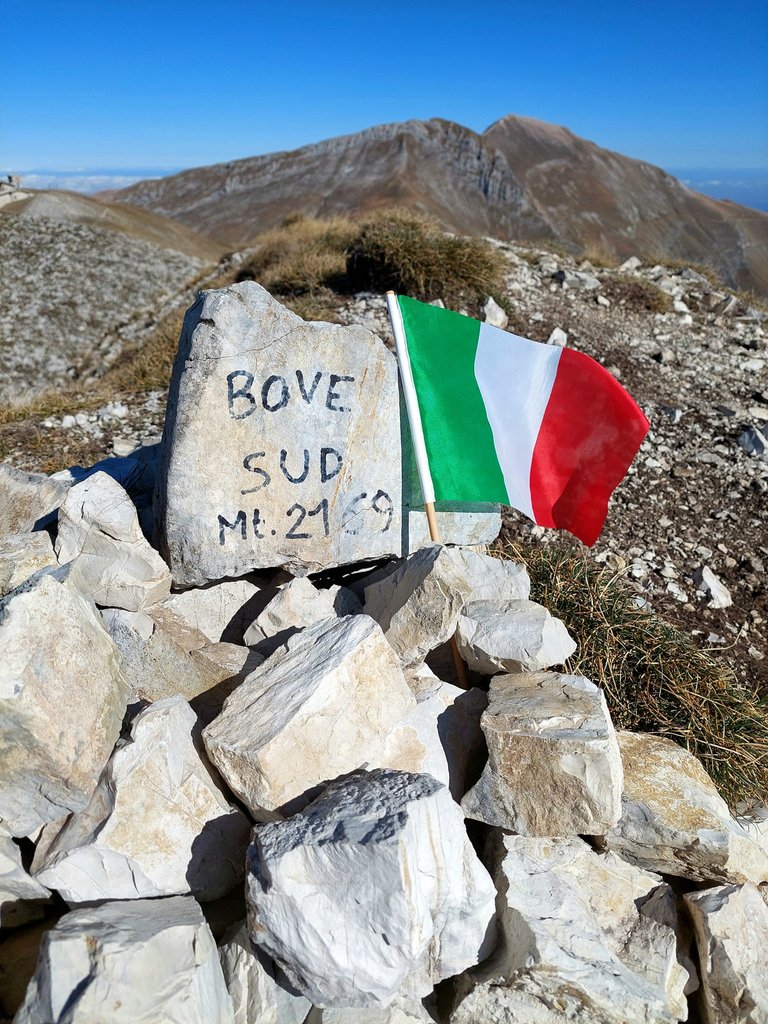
[521, 180]
[80, 279]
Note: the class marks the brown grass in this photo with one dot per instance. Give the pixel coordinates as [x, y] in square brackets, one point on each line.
[654, 677]
[636, 295]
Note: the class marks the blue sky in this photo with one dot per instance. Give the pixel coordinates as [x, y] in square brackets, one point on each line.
[119, 85]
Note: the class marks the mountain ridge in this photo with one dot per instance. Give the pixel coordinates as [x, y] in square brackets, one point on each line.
[521, 180]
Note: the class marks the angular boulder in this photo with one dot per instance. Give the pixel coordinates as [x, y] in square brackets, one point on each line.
[373, 891]
[324, 708]
[584, 938]
[259, 993]
[21, 555]
[281, 443]
[158, 824]
[511, 636]
[220, 611]
[731, 925]
[296, 605]
[674, 821]
[554, 767]
[113, 563]
[27, 500]
[62, 700]
[419, 602]
[140, 960]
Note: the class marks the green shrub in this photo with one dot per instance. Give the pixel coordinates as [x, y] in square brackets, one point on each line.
[654, 677]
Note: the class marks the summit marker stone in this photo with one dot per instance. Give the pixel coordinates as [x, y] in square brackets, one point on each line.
[281, 443]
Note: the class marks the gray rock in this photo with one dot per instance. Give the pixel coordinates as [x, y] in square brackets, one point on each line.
[296, 605]
[27, 500]
[157, 824]
[459, 528]
[418, 603]
[281, 443]
[99, 533]
[511, 636]
[220, 611]
[62, 699]
[584, 939]
[152, 961]
[373, 891]
[21, 555]
[719, 595]
[633, 263]
[558, 337]
[493, 314]
[259, 992]
[553, 760]
[577, 280]
[674, 821]
[731, 925]
[321, 709]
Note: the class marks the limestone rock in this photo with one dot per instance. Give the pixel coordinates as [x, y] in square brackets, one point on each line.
[152, 961]
[513, 636]
[493, 579]
[281, 442]
[157, 824]
[21, 555]
[22, 898]
[258, 992]
[62, 699]
[576, 946]
[719, 595]
[414, 743]
[674, 821]
[27, 500]
[219, 611]
[493, 314]
[296, 605]
[162, 656]
[323, 709]
[372, 891]
[731, 923]
[113, 563]
[418, 604]
[553, 760]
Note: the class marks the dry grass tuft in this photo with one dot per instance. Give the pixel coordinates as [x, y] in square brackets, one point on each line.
[654, 677]
[412, 255]
[643, 296]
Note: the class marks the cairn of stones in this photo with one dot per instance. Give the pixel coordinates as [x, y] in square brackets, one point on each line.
[240, 781]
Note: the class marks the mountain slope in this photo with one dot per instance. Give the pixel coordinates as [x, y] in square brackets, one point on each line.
[520, 180]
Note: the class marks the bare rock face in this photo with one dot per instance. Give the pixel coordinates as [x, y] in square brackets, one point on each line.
[511, 636]
[22, 898]
[553, 760]
[259, 993]
[585, 937]
[412, 1013]
[113, 563]
[153, 961]
[322, 709]
[731, 923]
[21, 555]
[62, 699]
[281, 443]
[372, 891]
[158, 824]
[673, 819]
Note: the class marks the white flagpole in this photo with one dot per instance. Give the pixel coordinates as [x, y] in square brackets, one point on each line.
[419, 447]
[414, 415]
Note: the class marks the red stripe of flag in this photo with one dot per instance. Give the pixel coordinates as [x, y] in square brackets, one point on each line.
[591, 431]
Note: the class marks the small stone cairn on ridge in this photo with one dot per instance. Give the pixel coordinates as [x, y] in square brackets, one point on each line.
[239, 783]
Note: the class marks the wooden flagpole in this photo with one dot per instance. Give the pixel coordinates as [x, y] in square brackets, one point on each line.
[419, 448]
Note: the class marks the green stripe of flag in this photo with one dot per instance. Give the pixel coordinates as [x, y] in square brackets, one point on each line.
[462, 455]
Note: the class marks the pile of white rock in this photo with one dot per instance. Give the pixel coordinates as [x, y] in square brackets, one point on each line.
[266, 800]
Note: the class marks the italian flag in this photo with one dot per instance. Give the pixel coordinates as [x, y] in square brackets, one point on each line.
[499, 418]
